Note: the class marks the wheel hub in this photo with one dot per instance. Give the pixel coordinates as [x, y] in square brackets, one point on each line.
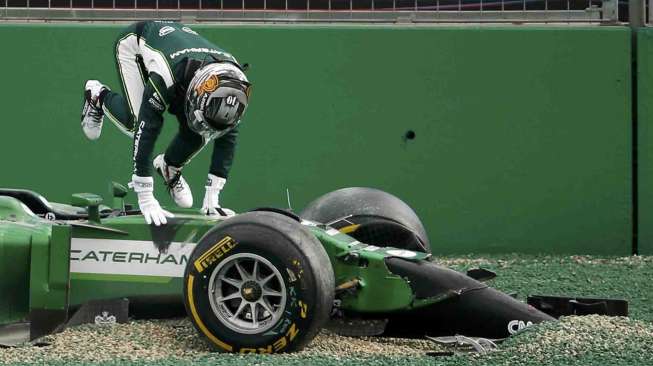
[251, 291]
[247, 293]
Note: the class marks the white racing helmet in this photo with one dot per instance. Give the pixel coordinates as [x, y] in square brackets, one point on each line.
[216, 99]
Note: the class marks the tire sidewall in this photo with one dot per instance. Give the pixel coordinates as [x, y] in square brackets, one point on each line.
[300, 286]
[365, 201]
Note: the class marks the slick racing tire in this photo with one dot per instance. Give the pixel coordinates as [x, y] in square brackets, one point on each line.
[371, 216]
[259, 283]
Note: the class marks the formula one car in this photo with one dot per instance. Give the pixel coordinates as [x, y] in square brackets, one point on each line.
[263, 281]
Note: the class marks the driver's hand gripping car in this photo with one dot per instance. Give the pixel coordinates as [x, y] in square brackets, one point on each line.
[168, 66]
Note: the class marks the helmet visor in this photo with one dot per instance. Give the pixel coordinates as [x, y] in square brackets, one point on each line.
[202, 127]
[225, 106]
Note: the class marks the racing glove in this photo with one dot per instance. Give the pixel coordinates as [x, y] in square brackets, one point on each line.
[211, 204]
[150, 208]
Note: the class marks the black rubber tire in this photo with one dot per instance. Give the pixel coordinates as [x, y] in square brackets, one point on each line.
[383, 218]
[302, 263]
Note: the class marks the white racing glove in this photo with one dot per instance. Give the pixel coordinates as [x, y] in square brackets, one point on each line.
[150, 208]
[211, 204]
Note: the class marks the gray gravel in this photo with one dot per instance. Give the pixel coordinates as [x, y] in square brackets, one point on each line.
[574, 338]
[146, 340]
[161, 339]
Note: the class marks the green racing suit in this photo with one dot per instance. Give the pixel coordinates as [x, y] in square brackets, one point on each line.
[156, 61]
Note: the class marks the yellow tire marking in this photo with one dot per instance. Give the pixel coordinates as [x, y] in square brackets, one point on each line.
[198, 321]
[349, 229]
[215, 249]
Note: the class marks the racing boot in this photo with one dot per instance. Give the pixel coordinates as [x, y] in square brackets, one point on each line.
[211, 205]
[177, 186]
[92, 114]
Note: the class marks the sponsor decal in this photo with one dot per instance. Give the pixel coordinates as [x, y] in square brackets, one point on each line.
[371, 248]
[277, 345]
[308, 223]
[300, 270]
[188, 30]
[303, 309]
[231, 100]
[291, 275]
[280, 328]
[137, 140]
[293, 296]
[333, 232]
[402, 253]
[128, 257]
[353, 243]
[156, 104]
[50, 216]
[515, 326]
[209, 85]
[164, 31]
[199, 50]
[215, 253]
[142, 184]
[105, 319]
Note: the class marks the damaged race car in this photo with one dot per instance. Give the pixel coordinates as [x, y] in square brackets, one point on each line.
[356, 260]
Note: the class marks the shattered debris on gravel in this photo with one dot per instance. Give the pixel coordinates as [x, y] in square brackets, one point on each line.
[588, 340]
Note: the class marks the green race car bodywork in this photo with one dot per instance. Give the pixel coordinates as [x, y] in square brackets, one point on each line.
[51, 266]
[57, 258]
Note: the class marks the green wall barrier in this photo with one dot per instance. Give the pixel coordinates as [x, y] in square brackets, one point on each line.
[645, 139]
[522, 134]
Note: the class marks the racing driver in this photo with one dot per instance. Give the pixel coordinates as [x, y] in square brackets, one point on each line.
[168, 66]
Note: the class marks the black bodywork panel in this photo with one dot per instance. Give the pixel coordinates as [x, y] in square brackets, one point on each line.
[558, 306]
[466, 306]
